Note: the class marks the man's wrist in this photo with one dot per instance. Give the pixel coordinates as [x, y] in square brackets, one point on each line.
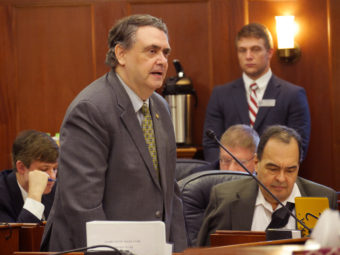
[35, 196]
[34, 207]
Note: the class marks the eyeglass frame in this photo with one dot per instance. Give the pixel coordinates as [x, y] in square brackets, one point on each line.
[228, 161]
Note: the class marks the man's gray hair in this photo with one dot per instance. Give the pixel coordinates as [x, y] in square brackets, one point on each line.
[240, 136]
[124, 32]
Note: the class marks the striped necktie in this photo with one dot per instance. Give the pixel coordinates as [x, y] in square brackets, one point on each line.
[253, 103]
[149, 135]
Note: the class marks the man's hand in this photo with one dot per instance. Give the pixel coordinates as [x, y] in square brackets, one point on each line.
[37, 182]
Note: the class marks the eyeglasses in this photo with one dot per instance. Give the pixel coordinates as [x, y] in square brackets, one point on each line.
[228, 161]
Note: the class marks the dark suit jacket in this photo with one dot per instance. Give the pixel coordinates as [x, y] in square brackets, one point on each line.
[232, 204]
[106, 171]
[228, 106]
[11, 201]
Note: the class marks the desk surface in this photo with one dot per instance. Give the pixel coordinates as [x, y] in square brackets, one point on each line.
[186, 152]
[44, 253]
[226, 250]
[256, 250]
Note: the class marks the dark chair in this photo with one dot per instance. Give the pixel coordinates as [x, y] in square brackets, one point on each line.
[184, 167]
[195, 190]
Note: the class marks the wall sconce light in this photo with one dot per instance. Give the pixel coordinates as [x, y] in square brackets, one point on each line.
[287, 50]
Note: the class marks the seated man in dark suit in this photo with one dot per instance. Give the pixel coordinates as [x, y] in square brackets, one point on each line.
[242, 205]
[27, 190]
[241, 140]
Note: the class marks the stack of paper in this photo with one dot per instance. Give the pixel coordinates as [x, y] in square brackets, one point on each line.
[138, 237]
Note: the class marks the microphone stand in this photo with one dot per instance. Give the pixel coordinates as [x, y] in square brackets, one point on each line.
[211, 134]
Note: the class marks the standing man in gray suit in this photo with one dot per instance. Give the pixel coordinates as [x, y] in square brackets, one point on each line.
[110, 169]
[259, 98]
[244, 205]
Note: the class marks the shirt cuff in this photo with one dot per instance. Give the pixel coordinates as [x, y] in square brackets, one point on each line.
[34, 207]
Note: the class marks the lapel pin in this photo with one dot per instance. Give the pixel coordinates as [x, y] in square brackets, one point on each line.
[157, 116]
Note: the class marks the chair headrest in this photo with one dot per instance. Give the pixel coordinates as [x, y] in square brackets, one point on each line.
[185, 166]
[195, 190]
[197, 186]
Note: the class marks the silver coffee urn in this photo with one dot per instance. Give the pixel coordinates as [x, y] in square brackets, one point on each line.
[182, 98]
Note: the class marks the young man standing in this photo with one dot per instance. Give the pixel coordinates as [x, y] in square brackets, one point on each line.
[259, 98]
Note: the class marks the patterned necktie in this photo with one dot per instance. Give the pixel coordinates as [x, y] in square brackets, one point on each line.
[149, 135]
[280, 217]
[253, 103]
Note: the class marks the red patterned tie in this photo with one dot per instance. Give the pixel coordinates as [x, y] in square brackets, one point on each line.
[253, 103]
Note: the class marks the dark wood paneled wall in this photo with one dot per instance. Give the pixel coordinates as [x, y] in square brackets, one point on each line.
[334, 71]
[310, 72]
[50, 50]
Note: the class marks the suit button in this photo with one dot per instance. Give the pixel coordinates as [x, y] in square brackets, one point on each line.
[158, 214]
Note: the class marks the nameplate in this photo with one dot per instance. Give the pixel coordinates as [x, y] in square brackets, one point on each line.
[267, 103]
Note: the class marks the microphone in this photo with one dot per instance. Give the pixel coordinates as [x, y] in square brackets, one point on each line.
[211, 134]
[113, 251]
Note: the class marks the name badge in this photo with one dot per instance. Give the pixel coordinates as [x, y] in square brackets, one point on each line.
[267, 103]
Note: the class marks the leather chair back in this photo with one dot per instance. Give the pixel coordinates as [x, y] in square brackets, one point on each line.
[184, 167]
[195, 191]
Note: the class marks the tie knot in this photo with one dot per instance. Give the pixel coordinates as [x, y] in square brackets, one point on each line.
[254, 87]
[145, 109]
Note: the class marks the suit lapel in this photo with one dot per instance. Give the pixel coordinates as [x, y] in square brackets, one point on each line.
[272, 92]
[15, 193]
[130, 121]
[301, 188]
[160, 139]
[242, 209]
[240, 101]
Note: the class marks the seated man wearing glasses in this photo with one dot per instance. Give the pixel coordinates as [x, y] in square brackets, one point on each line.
[27, 190]
[241, 140]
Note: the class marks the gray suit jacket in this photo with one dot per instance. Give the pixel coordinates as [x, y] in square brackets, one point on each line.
[232, 204]
[106, 171]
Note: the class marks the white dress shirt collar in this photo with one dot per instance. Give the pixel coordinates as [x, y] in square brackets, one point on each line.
[261, 82]
[260, 200]
[23, 191]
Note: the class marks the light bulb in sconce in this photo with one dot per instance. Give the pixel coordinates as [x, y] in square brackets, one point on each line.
[288, 51]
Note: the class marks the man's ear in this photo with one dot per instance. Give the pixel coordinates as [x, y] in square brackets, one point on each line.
[120, 54]
[271, 52]
[20, 166]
